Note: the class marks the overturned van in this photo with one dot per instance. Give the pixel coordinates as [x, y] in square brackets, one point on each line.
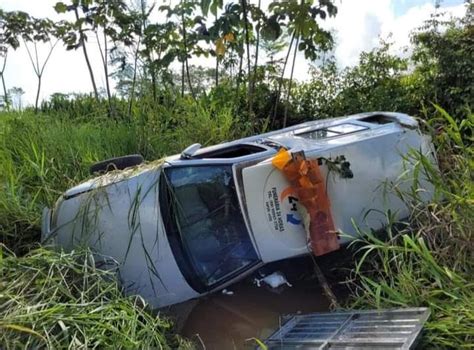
[194, 223]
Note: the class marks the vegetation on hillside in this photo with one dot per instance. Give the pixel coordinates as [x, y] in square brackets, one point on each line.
[157, 111]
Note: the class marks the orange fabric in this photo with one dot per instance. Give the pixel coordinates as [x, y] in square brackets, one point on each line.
[281, 159]
[308, 184]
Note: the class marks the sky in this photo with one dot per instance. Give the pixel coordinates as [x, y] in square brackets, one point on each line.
[358, 26]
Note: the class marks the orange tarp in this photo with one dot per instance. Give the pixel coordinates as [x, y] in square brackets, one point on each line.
[309, 186]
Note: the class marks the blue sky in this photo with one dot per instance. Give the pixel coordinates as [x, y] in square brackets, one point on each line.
[358, 27]
[401, 6]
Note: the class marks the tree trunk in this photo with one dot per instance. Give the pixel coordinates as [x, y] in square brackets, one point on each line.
[36, 66]
[153, 82]
[151, 66]
[277, 99]
[285, 116]
[103, 56]
[182, 79]
[255, 65]
[134, 80]
[217, 71]
[86, 56]
[247, 42]
[2, 73]
[258, 39]
[189, 80]
[106, 69]
[5, 93]
[239, 74]
[185, 44]
[37, 94]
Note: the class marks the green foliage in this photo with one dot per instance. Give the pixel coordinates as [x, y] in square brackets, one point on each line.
[443, 54]
[19, 25]
[54, 300]
[376, 83]
[440, 71]
[430, 261]
[300, 19]
[112, 16]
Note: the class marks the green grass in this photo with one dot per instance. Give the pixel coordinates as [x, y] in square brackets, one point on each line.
[54, 300]
[429, 262]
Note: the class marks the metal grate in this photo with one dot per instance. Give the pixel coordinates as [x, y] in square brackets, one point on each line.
[374, 329]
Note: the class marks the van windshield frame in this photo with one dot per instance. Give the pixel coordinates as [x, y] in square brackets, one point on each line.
[204, 224]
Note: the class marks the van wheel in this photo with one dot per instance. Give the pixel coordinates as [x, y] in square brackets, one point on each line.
[118, 163]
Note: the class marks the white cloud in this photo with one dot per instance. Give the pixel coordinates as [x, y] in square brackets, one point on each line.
[358, 27]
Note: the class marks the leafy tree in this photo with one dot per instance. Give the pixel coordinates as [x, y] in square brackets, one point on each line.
[31, 31]
[160, 48]
[444, 51]
[16, 94]
[74, 34]
[377, 82]
[299, 18]
[318, 98]
[225, 34]
[109, 21]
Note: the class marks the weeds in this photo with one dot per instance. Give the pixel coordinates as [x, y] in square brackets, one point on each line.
[55, 300]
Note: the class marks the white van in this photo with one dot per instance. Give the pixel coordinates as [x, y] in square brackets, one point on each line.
[194, 223]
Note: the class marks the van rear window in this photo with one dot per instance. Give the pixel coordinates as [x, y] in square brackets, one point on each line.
[332, 131]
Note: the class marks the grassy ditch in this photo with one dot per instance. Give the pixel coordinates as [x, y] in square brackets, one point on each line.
[430, 261]
[55, 300]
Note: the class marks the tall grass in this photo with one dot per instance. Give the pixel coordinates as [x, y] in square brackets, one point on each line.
[46, 296]
[429, 262]
[54, 300]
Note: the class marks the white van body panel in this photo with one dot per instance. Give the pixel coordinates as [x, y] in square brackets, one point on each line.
[377, 162]
[122, 220]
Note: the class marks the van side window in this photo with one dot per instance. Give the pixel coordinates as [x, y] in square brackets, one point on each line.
[234, 151]
[332, 131]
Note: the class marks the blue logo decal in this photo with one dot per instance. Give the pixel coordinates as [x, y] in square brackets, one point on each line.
[292, 219]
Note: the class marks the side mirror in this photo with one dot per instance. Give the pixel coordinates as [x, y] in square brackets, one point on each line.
[189, 151]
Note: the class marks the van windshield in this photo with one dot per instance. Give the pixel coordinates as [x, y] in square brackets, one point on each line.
[204, 216]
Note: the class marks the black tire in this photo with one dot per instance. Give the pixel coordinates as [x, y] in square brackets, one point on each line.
[118, 163]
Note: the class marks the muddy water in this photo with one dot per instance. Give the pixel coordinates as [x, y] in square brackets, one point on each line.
[223, 322]
[227, 321]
